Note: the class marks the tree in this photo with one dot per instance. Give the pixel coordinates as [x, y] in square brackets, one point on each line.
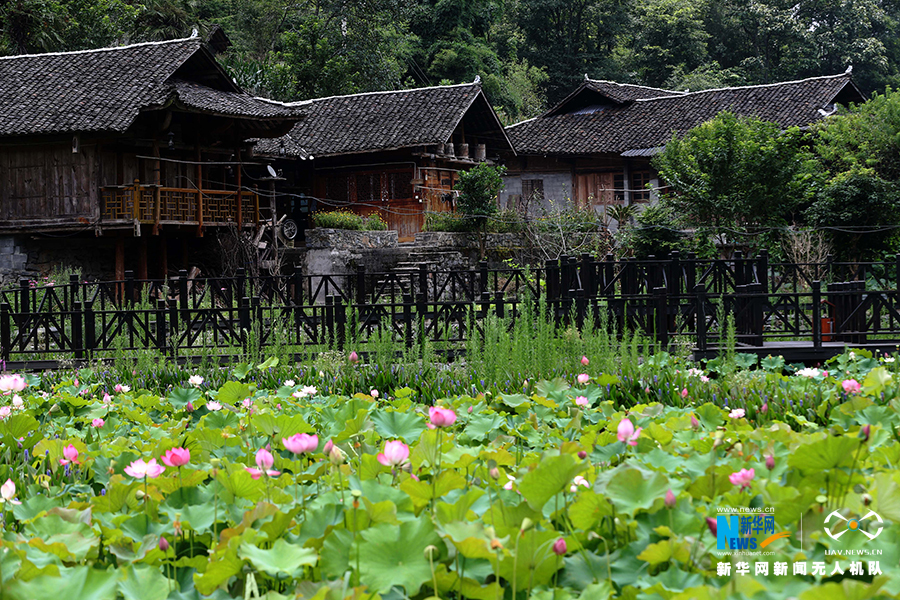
[478, 188]
[733, 173]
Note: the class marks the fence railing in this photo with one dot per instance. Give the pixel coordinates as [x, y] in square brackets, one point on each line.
[680, 299]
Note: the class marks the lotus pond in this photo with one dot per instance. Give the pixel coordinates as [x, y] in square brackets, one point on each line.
[666, 482]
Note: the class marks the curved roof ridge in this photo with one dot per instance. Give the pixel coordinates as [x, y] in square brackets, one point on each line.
[746, 87]
[637, 85]
[106, 49]
[407, 90]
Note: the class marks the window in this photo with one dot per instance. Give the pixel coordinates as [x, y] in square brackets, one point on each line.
[533, 189]
[639, 191]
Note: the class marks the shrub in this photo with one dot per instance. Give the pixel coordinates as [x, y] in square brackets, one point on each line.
[507, 221]
[344, 219]
[447, 221]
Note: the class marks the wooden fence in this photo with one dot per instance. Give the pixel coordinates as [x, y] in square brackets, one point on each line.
[777, 308]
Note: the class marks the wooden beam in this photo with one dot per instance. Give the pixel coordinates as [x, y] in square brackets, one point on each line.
[120, 265]
[142, 258]
[163, 257]
[240, 210]
[157, 179]
[199, 193]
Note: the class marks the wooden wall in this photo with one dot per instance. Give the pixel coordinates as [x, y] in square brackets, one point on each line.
[50, 182]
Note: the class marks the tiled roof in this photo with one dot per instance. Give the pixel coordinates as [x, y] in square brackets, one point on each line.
[623, 92]
[238, 104]
[105, 89]
[377, 121]
[648, 123]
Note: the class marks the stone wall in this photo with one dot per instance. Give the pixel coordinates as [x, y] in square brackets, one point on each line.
[31, 257]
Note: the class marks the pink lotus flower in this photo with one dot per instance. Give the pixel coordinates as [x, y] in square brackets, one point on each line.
[213, 405]
[579, 481]
[354, 357]
[695, 424]
[704, 379]
[140, 469]
[121, 389]
[5, 411]
[559, 547]
[265, 461]
[395, 454]
[509, 484]
[742, 477]
[441, 417]
[98, 423]
[107, 399]
[12, 383]
[8, 492]
[684, 393]
[670, 499]
[581, 401]
[373, 393]
[585, 361]
[764, 408]
[177, 457]
[246, 402]
[737, 413]
[195, 380]
[627, 433]
[583, 378]
[301, 443]
[70, 454]
[851, 386]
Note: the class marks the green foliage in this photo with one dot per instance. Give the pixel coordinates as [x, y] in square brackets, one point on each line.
[345, 219]
[733, 173]
[447, 221]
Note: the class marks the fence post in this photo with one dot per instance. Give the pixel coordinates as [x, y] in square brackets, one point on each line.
[90, 332]
[161, 343]
[129, 289]
[816, 314]
[700, 292]
[483, 276]
[407, 319]
[674, 274]
[423, 280]
[587, 273]
[172, 306]
[241, 282]
[5, 332]
[738, 262]
[580, 308]
[329, 317]
[499, 305]
[762, 270]
[73, 288]
[24, 297]
[77, 335]
[662, 318]
[360, 284]
[829, 267]
[609, 274]
[552, 271]
[183, 293]
[340, 319]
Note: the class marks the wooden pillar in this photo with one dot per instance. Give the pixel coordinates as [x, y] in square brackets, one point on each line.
[120, 265]
[238, 204]
[163, 257]
[157, 180]
[199, 193]
[142, 258]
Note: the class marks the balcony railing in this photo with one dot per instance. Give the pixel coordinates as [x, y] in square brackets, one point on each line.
[153, 204]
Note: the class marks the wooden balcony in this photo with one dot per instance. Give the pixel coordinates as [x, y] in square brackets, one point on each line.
[156, 205]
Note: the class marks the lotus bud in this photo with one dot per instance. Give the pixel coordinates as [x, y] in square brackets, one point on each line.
[328, 446]
[139, 494]
[866, 499]
[695, 424]
[189, 407]
[713, 526]
[670, 499]
[495, 473]
[336, 456]
[764, 408]
[526, 525]
[559, 547]
[770, 462]
[865, 432]
[585, 361]
[430, 551]
[470, 409]
[354, 357]
[163, 544]
[582, 454]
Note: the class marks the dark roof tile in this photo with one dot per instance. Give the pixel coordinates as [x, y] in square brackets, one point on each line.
[650, 122]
